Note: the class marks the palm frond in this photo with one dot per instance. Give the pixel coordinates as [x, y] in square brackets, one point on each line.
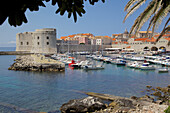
[156, 9]
[129, 4]
[167, 29]
[159, 16]
[133, 9]
[143, 17]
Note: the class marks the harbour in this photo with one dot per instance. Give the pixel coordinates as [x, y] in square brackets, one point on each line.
[47, 91]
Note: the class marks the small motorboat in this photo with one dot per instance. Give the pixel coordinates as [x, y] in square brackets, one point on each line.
[163, 70]
[146, 66]
[107, 59]
[134, 64]
[121, 62]
[93, 67]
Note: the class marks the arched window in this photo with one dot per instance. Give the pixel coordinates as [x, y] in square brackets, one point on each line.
[38, 43]
[47, 37]
[38, 37]
[27, 43]
[47, 43]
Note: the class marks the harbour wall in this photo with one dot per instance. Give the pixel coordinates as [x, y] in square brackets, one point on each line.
[80, 48]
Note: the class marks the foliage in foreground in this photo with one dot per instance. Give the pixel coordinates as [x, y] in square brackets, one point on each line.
[155, 12]
[15, 10]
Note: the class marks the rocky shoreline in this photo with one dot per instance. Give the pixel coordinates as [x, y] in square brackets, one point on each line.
[94, 103]
[36, 63]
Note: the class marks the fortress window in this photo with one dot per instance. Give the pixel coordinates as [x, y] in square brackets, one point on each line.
[47, 37]
[38, 37]
[38, 43]
[47, 43]
[21, 43]
[27, 43]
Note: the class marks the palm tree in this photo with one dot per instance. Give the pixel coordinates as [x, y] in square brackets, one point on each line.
[156, 11]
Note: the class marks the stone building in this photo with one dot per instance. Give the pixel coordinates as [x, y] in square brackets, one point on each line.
[39, 41]
[143, 43]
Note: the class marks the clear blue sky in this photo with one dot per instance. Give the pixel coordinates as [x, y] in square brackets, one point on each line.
[100, 19]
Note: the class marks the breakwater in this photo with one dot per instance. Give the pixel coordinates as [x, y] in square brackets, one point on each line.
[36, 63]
[14, 53]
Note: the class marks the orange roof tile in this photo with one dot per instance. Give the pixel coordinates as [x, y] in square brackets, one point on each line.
[151, 40]
[116, 34]
[128, 47]
[156, 35]
[125, 42]
[114, 42]
[167, 35]
[167, 39]
[145, 31]
[107, 36]
[63, 37]
[133, 37]
[114, 39]
[71, 36]
[141, 39]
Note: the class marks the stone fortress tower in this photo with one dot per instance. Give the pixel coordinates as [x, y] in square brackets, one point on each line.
[40, 41]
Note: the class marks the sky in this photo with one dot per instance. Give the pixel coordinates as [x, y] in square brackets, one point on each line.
[100, 19]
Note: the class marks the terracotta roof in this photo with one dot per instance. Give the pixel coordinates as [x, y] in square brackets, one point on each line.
[156, 35]
[128, 47]
[167, 39]
[125, 42]
[107, 36]
[114, 39]
[71, 36]
[141, 39]
[167, 35]
[114, 42]
[145, 31]
[151, 40]
[63, 37]
[133, 36]
[116, 34]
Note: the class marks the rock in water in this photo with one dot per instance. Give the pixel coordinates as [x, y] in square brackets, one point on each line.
[89, 104]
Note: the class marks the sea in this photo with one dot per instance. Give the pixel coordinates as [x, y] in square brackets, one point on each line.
[44, 91]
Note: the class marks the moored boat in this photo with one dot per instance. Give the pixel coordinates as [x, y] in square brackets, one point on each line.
[146, 66]
[163, 70]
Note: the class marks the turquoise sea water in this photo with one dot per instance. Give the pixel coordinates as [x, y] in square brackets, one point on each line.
[48, 91]
[7, 48]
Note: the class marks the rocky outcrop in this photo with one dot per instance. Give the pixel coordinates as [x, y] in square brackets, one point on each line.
[144, 104]
[28, 63]
[89, 104]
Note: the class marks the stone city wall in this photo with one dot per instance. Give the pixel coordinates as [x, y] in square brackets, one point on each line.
[80, 48]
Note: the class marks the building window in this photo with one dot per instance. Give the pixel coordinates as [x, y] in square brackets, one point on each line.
[47, 37]
[38, 43]
[27, 43]
[21, 43]
[38, 37]
[47, 43]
